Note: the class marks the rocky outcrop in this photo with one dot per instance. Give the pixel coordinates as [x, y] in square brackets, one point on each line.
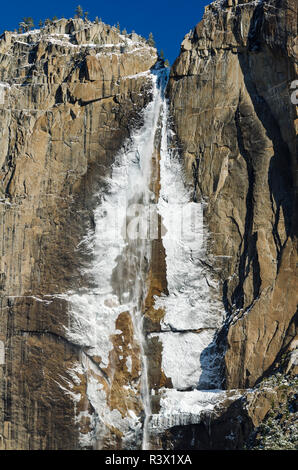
[263, 418]
[70, 95]
[230, 97]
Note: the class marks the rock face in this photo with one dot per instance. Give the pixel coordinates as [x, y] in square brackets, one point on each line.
[70, 95]
[170, 343]
[230, 98]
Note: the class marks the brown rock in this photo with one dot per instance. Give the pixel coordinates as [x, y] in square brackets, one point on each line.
[230, 102]
[68, 107]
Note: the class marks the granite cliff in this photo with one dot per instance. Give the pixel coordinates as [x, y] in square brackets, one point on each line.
[71, 93]
[237, 67]
[160, 344]
[231, 84]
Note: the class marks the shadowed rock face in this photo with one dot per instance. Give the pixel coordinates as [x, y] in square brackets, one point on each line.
[229, 94]
[72, 94]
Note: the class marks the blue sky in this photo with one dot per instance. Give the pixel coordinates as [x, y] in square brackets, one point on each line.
[169, 21]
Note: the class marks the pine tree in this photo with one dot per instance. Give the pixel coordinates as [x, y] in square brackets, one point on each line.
[24, 26]
[54, 18]
[86, 13]
[79, 12]
[161, 55]
[47, 21]
[27, 23]
[167, 63]
[40, 23]
[151, 41]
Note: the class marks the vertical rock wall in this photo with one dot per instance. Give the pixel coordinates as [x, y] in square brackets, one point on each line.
[70, 95]
[229, 93]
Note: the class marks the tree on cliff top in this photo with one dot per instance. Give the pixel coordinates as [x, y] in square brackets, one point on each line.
[79, 12]
[27, 23]
[151, 41]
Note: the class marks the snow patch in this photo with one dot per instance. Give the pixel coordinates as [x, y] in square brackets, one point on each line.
[181, 356]
[183, 408]
[191, 303]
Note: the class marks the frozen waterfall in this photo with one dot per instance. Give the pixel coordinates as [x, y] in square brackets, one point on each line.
[120, 244]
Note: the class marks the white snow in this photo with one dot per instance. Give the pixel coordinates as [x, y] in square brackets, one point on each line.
[92, 319]
[28, 33]
[104, 417]
[182, 408]
[181, 356]
[222, 4]
[137, 75]
[129, 364]
[191, 304]
[135, 45]
[5, 85]
[121, 248]
[118, 269]
[59, 42]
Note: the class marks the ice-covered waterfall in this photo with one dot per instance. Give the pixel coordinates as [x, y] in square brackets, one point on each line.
[120, 245]
[193, 313]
